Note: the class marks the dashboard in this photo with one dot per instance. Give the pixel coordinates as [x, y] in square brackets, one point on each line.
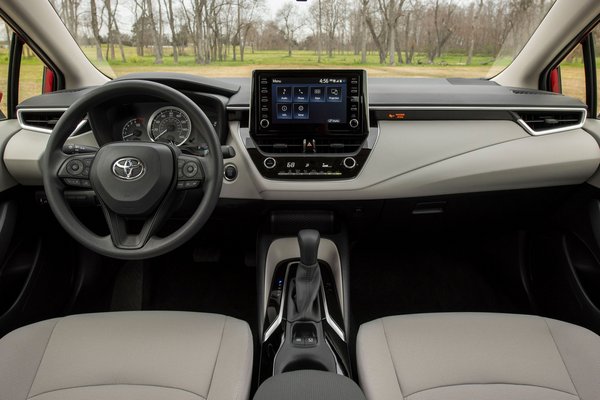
[355, 138]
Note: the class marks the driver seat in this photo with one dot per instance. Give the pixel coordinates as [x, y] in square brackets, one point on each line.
[148, 355]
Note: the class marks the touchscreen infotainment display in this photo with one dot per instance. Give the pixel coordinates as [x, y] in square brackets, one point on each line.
[309, 100]
[301, 102]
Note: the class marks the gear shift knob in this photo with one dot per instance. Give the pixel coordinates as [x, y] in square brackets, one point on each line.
[308, 240]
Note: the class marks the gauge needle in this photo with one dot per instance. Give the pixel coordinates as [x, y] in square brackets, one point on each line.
[160, 134]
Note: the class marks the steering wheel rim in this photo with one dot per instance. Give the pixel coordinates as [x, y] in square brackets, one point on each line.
[54, 158]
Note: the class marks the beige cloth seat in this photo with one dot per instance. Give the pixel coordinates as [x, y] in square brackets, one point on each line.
[146, 355]
[478, 356]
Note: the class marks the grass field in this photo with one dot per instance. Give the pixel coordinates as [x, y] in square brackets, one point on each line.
[450, 65]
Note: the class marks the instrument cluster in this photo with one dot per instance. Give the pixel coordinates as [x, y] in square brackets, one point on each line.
[160, 122]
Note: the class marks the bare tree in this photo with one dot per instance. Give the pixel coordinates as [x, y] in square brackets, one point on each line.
[290, 23]
[443, 26]
[378, 38]
[391, 10]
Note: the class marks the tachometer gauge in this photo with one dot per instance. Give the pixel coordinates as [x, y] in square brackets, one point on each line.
[133, 130]
[169, 125]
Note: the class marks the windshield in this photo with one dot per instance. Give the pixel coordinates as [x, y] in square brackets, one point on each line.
[230, 38]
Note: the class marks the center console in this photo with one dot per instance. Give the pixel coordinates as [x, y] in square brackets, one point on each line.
[309, 124]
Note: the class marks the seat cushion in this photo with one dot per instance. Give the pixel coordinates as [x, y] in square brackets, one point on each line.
[128, 355]
[477, 356]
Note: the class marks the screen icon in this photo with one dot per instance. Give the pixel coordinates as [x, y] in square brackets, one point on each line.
[317, 94]
[284, 94]
[300, 111]
[300, 94]
[334, 93]
[284, 111]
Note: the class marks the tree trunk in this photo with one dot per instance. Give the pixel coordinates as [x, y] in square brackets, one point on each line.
[474, 26]
[171, 18]
[363, 41]
[96, 30]
[376, 40]
[155, 34]
[118, 33]
[392, 42]
[319, 36]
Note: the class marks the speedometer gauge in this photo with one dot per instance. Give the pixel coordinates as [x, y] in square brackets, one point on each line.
[169, 125]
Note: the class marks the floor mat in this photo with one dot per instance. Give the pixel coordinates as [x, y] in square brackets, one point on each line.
[435, 274]
[225, 287]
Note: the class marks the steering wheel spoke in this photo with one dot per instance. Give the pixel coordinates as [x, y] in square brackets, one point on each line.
[190, 172]
[75, 170]
[120, 231]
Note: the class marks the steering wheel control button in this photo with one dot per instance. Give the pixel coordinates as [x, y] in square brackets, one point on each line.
[75, 167]
[349, 162]
[230, 172]
[82, 183]
[190, 169]
[269, 163]
[184, 185]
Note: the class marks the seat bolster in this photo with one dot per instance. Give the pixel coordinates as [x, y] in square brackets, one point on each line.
[376, 370]
[580, 351]
[21, 352]
[233, 369]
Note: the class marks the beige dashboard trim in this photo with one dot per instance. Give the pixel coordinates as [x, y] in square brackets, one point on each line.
[427, 158]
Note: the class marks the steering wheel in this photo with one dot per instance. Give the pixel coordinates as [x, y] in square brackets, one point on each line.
[132, 180]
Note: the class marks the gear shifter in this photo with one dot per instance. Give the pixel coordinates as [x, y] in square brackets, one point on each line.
[308, 275]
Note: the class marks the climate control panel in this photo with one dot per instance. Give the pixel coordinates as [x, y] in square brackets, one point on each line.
[313, 167]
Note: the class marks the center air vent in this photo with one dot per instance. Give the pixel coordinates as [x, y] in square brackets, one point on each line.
[551, 121]
[44, 120]
[321, 146]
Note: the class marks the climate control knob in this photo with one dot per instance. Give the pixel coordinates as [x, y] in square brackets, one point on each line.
[264, 123]
[269, 163]
[353, 123]
[349, 162]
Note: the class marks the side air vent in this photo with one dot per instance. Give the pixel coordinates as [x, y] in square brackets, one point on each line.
[551, 121]
[44, 120]
[321, 146]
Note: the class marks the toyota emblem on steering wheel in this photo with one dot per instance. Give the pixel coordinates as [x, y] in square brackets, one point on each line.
[128, 168]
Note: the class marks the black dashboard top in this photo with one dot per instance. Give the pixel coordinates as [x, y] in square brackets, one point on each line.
[382, 92]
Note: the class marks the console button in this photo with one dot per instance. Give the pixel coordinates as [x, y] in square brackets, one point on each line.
[353, 123]
[349, 162]
[264, 123]
[269, 163]
[230, 172]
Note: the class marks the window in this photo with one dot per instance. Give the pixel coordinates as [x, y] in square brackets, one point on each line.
[5, 36]
[33, 76]
[576, 75]
[572, 74]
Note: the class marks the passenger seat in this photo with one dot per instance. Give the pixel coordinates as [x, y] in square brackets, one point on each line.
[462, 356]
